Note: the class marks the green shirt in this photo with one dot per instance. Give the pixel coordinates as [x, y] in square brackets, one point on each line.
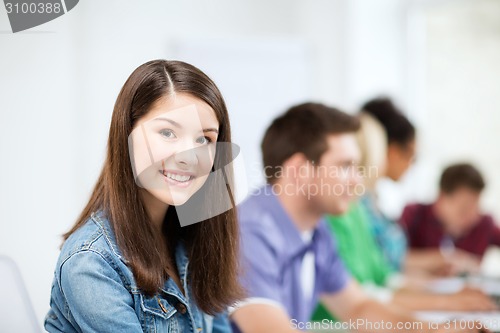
[358, 249]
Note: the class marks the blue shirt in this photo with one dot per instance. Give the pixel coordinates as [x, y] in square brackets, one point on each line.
[388, 234]
[272, 253]
[95, 291]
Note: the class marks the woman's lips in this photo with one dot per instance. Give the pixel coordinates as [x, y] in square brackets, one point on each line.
[177, 178]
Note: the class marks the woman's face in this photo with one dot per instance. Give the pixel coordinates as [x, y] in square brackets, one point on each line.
[172, 147]
[399, 159]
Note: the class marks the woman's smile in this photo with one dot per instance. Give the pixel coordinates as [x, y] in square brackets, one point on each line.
[177, 178]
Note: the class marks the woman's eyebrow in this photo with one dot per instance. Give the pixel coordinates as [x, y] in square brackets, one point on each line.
[211, 130]
[176, 124]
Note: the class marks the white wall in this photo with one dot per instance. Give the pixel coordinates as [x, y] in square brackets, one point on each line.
[376, 50]
[39, 172]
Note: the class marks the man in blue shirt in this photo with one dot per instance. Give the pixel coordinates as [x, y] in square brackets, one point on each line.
[289, 259]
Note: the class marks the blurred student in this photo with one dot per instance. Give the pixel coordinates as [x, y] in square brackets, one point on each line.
[362, 255]
[399, 151]
[289, 258]
[401, 147]
[452, 227]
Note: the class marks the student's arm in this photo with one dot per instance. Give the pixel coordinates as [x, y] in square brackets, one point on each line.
[430, 261]
[262, 318]
[262, 311]
[433, 262]
[418, 260]
[464, 300]
[352, 303]
[95, 295]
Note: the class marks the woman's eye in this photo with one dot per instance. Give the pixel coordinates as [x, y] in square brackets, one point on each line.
[168, 134]
[203, 140]
[348, 168]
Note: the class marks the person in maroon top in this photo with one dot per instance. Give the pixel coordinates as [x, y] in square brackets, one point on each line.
[450, 235]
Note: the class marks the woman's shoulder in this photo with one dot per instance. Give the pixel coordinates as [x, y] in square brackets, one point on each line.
[94, 237]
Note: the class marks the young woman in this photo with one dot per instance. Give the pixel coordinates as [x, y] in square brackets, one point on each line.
[124, 265]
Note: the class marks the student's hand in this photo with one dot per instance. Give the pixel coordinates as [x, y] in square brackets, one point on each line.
[431, 261]
[457, 262]
[464, 262]
[469, 299]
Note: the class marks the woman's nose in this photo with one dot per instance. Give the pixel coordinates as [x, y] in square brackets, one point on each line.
[186, 157]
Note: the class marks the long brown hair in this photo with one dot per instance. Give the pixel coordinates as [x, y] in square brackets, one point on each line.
[212, 245]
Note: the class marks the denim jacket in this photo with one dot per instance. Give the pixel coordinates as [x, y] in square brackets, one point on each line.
[94, 291]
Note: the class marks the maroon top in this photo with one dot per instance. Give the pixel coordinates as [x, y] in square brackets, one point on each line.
[424, 230]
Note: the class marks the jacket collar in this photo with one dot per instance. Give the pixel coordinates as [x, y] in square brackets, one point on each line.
[180, 255]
